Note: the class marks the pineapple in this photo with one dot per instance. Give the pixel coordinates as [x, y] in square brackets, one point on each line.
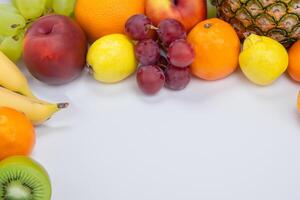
[278, 19]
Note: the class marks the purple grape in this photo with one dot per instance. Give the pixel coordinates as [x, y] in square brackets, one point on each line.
[138, 27]
[177, 78]
[150, 79]
[147, 52]
[170, 30]
[181, 53]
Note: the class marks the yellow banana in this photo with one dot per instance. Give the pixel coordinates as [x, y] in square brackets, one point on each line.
[36, 110]
[12, 78]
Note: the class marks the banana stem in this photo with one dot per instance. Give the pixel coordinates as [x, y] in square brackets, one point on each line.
[62, 105]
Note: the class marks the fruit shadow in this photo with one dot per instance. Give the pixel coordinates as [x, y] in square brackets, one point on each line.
[295, 116]
[60, 122]
[292, 81]
[208, 90]
[109, 90]
[269, 92]
[63, 89]
[298, 119]
[45, 129]
[272, 94]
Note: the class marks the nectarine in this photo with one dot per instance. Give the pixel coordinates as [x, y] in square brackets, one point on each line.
[55, 49]
[188, 12]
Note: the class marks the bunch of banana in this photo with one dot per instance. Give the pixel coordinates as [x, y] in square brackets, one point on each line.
[15, 93]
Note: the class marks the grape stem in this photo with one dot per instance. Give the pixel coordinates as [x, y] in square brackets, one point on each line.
[48, 11]
[152, 27]
[163, 66]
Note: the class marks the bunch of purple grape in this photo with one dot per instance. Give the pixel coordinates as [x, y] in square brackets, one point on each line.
[163, 53]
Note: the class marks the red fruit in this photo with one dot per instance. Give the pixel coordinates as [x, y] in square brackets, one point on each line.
[138, 27]
[177, 78]
[181, 53]
[170, 30]
[188, 12]
[150, 79]
[147, 52]
[55, 49]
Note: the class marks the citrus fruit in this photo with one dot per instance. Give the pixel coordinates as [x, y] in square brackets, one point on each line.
[17, 135]
[217, 48]
[112, 58]
[263, 59]
[294, 64]
[103, 17]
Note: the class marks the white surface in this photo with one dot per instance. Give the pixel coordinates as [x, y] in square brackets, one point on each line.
[224, 140]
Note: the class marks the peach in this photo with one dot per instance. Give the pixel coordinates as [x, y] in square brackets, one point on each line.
[188, 12]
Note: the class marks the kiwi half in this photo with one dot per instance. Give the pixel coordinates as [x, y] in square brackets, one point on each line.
[22, 178]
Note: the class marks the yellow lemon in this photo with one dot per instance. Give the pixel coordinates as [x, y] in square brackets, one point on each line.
[112, 58]
[263, 60]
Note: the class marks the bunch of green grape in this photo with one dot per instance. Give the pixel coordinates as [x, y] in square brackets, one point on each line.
[17, 17]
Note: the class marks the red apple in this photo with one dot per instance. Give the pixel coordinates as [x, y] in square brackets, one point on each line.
[55, 49]
[188, 12]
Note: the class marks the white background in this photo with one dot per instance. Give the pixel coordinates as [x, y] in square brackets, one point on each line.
[228, 140]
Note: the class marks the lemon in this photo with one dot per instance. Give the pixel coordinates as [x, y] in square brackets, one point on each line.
[263, 60]
[112, 58]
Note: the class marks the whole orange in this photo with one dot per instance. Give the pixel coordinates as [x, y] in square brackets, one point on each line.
[103, 17]
[294, 64]
[17, 135]
[217, 49]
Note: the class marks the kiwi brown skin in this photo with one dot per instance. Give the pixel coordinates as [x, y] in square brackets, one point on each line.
[22, 178]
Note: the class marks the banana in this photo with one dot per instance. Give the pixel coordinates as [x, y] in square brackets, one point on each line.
[36, 110]
[12, 78]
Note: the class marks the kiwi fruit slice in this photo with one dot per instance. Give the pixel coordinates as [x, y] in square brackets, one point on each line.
[22, 178]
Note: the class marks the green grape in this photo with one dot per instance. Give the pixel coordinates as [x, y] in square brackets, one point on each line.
[8, 8]
[1, 38]
[64, 7]
[14, 3]
[31, 9]
[11, 23]
[49, 3]
[12, 46]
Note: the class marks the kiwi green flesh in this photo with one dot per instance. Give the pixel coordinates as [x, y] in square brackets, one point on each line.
[21, 178]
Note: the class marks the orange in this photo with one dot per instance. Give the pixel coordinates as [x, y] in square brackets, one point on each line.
[17, 135]
[217, 49]
[294, 64]
[103, 17]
